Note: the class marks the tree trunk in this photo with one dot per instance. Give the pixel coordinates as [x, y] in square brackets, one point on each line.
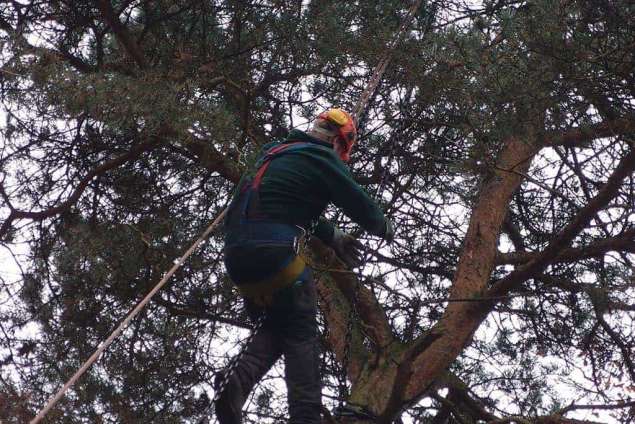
[396, 374]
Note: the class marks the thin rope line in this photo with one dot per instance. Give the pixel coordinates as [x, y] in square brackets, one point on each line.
[104, 345]
[382, 65]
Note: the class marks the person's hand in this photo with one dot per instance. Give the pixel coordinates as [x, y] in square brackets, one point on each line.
[347, 248]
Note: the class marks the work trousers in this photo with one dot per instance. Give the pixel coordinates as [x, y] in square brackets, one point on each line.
[289, 330]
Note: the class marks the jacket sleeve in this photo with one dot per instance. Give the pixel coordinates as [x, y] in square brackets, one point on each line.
[346, 194]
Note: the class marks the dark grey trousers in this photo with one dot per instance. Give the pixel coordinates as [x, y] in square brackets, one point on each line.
[289, 330]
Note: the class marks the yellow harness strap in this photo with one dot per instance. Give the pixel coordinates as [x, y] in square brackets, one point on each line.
[263, 290]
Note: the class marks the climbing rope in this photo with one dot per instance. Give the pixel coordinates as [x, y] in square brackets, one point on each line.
[360, 107]
[382, 65]
[342, 409]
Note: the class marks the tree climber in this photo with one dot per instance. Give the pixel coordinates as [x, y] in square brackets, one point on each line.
[272, 208]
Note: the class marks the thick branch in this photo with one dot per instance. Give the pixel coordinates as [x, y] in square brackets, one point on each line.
[337, 291]
[514, 234]
[209, 157]
[121, 32]
[373, 317]
[579, 137]
[599, 293]
[582, 219]
[622, 243]
[439, 347]
[335, 309]
[62, 54]
[465, 402]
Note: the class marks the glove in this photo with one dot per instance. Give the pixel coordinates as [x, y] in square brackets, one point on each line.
[389, 232]
[347, 248]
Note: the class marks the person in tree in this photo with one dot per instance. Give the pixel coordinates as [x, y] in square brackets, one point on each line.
[275, 204]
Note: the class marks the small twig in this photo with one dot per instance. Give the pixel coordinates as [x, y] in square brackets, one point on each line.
[10, 73]
[538, 183]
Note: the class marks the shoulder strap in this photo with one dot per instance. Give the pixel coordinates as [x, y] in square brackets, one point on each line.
[271, 154]
[252, 204]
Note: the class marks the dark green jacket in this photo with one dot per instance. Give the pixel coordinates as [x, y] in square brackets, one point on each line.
[298, 186]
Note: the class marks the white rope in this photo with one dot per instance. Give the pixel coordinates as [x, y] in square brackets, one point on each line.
[51, 403]
[382, 65]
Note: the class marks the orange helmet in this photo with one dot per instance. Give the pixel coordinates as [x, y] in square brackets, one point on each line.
[346, 131]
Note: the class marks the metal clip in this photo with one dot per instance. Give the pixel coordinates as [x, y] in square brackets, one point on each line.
[296, 240]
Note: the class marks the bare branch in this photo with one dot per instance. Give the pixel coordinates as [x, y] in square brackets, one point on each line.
[584, 216]
[579, 137]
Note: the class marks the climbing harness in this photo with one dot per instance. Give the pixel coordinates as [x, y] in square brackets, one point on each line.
[248, 227]
[360, 107]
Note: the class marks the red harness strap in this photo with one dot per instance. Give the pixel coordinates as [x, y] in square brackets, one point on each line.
[269, 156]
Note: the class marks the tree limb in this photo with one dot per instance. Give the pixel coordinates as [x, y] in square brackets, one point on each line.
[134, 153]
[568, 233]
[625, 242]
[579, 137]
[121, 32]
[432, 353]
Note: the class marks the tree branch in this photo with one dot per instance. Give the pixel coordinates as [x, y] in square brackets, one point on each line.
[208, 156]
[465, 403]
[181, 310]
[121, 32]
[16, 214]
[579, 137]
[373, 316]
[625, 242]
[584, 216]
[429, 355]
